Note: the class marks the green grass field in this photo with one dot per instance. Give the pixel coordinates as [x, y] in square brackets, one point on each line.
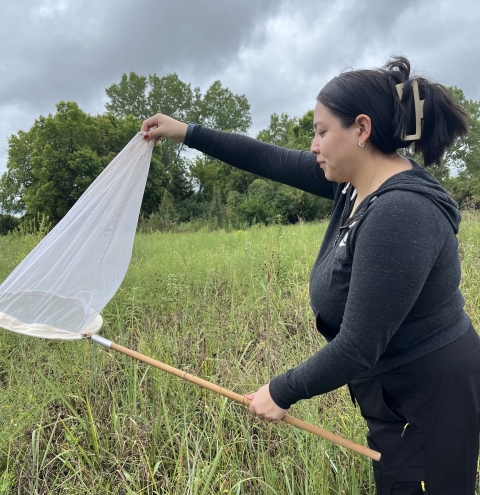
[231, 308]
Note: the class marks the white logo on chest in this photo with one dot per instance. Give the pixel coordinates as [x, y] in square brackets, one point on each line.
[343, 241]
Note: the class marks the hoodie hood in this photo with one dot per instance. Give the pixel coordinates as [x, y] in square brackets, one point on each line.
[419, 181]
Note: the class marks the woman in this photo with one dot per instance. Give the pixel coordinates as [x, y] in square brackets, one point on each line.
[385, 285]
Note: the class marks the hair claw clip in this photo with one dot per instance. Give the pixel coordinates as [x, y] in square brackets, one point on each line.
[418, 110]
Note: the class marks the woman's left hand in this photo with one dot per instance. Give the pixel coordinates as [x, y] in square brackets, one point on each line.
[263, 407]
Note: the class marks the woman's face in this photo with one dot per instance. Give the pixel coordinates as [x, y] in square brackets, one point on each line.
[336, 148]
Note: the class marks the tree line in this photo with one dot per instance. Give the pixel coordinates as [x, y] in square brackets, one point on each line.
[52, 164]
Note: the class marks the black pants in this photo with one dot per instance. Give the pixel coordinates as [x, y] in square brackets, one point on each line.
[424, 418]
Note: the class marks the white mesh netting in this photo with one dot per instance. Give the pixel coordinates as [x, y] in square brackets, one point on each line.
[60, 288]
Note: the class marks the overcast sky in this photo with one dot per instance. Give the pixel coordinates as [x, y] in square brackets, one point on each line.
[279, 53]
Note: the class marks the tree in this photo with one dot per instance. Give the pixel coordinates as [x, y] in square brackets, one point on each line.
[289, 203]
[464, 157]
[259, 203]
[8, 223]
[279, 130]
[50, 166]
[221, 109]
[464, 189]
[302, 133]
[143, 97]
[209, 174]
[53, 163]
[283, 130]
[19, 173]
[465, 152]
[128, 97]
[249, 198]
[218, 108]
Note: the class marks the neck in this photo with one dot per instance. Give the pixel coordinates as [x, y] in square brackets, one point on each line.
[374, 171]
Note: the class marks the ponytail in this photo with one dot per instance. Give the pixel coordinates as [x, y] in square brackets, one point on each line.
[444, 121]
[376, 94]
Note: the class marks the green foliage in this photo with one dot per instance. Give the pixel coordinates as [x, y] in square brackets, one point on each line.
[50, 166]
[208, 173]
[77, 419]
[218, 108]
[163, 220]
[18, 177]
[221, 109]
[269, 202]
[465, 190]
[259, 205]
[465, 152]
[248, 199]
[279, 130]
[302, 133]
[57, 164]
[128, 97]
[289, 132]
[8, 223]
[143, 97]
[33, 225]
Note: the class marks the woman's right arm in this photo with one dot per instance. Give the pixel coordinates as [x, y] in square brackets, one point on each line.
[294, 168]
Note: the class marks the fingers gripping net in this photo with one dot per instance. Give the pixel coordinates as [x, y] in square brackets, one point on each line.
[59, 289]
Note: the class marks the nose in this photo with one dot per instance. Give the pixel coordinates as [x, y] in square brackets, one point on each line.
[315, 148]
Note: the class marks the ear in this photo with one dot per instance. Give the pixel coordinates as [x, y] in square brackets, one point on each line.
[363, 125]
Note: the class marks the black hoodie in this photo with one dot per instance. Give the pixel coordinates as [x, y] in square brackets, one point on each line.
[385, 285]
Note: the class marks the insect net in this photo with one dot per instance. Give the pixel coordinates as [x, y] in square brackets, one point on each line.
[60, 288]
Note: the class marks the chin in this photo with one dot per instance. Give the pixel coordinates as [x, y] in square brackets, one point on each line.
[329, 176]
[333, 177]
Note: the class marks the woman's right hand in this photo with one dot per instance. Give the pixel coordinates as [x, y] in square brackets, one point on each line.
[161, 126]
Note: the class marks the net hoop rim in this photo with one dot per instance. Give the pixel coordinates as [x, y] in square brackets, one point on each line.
[45, 331]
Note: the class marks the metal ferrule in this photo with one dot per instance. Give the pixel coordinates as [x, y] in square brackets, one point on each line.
[100, 340]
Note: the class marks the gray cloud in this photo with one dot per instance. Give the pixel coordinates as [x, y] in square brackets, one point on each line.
[68, 49]
[56, 50]
[304, 48]
[279, 53]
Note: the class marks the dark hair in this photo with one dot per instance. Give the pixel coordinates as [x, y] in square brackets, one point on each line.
[373, 92]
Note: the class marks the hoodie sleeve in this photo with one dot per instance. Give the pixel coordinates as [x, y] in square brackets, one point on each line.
[291, 167]
[394, 250]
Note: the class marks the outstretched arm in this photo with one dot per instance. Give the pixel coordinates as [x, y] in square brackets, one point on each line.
[292, 167]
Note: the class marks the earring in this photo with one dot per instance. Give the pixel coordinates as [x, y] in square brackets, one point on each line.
[361, 145]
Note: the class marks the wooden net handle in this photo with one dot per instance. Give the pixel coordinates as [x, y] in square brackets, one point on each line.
[303, 425]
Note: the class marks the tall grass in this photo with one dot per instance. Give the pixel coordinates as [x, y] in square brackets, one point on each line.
[229, 307]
